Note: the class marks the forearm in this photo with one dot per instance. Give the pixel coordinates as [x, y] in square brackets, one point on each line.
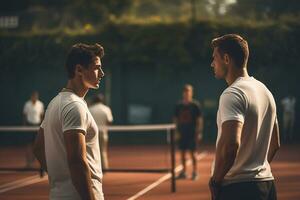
[275, 143]
[199, 125]
[81, 179]
[225, 157]
[271, 155]
[41, 157]
[39, 149]
[274, 147]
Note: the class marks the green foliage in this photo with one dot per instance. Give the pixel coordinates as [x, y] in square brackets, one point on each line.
[169, 49]
[168, 45]
[270, 9]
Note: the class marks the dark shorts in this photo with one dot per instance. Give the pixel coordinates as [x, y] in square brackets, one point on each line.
[187, 141]
[30, 136]
[256, 190]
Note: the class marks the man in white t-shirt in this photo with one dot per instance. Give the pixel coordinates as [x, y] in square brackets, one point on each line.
[67, 142]
[248, 134]
[103, 117]
[33, 113]
[33, 110]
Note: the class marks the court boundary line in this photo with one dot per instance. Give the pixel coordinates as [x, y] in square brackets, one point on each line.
[164, 178]
[21, 183]
[36, 179]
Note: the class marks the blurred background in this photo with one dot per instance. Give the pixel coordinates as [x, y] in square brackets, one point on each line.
[153, 47]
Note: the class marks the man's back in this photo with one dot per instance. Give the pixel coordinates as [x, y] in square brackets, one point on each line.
[249, 101]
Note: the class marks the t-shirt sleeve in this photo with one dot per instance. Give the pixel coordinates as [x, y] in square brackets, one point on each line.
[74, 117]
[109, 115]
[43, 124]
[232, 106]
[198, 110]
[25, 108]
[42, 108]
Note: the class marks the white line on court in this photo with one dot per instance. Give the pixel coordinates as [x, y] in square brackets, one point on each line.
[164, 178]
[36, 179]
[16, 182]
[21, 183]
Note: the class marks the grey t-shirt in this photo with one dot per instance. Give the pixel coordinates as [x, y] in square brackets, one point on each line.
[65, 112]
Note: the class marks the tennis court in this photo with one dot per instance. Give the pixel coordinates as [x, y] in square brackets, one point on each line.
[26, 184]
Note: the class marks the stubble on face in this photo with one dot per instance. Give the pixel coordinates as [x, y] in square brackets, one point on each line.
[218, 65]
[93, 74]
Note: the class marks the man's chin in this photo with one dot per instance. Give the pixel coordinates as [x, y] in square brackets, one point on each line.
[218, 77]
[95, 86]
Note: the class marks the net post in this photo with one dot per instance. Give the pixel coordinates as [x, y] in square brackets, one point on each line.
[172, 148]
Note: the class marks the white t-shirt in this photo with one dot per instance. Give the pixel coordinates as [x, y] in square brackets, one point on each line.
[288, 104]
[33, 112]
[101, 113]
[249, 101]
[65, 112]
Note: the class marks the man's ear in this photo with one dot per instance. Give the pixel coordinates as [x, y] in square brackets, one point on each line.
[226, 58]
[78, 69]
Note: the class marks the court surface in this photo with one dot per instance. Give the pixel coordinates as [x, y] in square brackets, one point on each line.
[149, 186]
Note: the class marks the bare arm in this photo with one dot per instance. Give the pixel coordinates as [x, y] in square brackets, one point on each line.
[227, 149]
[39, 148]
[199, 128]
[175, 121]
[78, 164]
[275, 142]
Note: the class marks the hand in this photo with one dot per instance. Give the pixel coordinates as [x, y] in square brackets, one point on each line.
[198, 137]
[215, 188]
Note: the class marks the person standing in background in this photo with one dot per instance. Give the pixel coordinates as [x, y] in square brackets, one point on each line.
[189, 124]
[288, 105]
[33, 113]
[103, 117]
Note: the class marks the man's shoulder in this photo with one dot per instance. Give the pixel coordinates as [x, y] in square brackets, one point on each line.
[27, 103]
[99, 106]
[233, 94]
[40, 103]
[74, 104]
[242, 87]
[195, 102]
[70, 102]
[231, 90]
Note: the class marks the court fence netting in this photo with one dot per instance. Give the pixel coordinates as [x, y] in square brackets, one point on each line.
[130, 158]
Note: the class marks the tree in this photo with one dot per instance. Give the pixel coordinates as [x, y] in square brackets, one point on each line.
[265, 9]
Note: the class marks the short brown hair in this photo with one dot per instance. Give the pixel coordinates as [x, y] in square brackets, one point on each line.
[233, 45]
[82, 54]
[188, 87]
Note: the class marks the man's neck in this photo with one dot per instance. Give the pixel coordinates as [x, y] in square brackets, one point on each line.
[234, 74]
[77, 88]
[187, 101]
